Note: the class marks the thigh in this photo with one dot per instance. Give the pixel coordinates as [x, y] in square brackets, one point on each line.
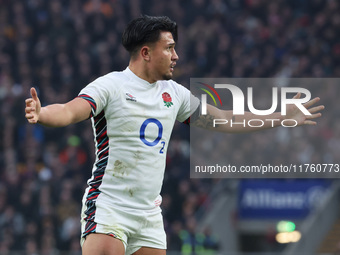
[150, 251]
[101, 244]
[150, 238]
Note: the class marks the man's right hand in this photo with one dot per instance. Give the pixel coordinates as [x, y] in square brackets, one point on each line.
[33, 107]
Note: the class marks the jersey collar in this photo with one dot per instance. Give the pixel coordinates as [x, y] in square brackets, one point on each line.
[133, 76]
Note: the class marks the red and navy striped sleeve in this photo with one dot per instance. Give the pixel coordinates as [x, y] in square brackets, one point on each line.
[91, 102]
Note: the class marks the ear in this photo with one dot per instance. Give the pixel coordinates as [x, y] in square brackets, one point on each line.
[145, 53]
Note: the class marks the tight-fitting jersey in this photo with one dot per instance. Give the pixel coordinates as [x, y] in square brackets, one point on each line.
[132, 122]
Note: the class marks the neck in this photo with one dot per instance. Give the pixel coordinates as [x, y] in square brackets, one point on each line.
[141, 71]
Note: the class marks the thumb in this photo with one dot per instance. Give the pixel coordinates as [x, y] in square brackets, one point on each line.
[34, 94]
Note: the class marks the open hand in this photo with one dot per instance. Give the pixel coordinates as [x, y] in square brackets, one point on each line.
[294, 113]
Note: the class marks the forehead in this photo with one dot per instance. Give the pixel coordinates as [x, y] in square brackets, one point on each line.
[166, 38]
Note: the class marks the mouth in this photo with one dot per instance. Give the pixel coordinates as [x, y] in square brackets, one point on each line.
[172, 66]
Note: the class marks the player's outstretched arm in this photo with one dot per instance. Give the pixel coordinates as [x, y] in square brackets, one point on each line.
[214, 117]
[56, 115]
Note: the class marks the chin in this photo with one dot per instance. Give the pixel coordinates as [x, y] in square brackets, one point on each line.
[167, 76]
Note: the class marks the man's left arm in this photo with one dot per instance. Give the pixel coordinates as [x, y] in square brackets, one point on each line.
[224, 121]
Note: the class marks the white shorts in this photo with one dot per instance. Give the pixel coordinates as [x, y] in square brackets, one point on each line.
[135, 229]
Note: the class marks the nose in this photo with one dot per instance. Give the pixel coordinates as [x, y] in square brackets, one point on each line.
[174, 56]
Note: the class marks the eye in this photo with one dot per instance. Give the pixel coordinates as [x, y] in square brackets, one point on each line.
[170, 47]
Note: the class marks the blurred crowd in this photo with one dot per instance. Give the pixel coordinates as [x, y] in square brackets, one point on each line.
[60, 46]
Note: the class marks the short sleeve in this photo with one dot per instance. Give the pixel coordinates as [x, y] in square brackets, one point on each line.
[189, 104]
[97, 94]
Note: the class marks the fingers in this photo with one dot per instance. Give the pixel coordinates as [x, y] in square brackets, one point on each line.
[29, 102]
[297, 96]
[31, 118]
[311, 102]
[313, 116]
[309, 122]
[30, 115]
[30, 107]
[316, 109]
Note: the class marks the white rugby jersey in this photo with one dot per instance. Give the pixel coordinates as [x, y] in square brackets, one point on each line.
[132, 122]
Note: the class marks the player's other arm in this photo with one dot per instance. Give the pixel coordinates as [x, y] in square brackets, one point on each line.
[269, 121]
[56, 115]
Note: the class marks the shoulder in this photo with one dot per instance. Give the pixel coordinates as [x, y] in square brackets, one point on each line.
[173, 85]
[106, 86]
[116, 77]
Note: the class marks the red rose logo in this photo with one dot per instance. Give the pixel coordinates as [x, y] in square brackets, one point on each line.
[167, 99]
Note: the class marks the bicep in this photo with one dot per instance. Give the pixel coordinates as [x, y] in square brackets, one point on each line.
[78, 109]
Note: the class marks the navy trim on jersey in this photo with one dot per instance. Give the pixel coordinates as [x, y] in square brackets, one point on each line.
[187, 121]
[194, 116]
[101, 163]
[91, 102]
